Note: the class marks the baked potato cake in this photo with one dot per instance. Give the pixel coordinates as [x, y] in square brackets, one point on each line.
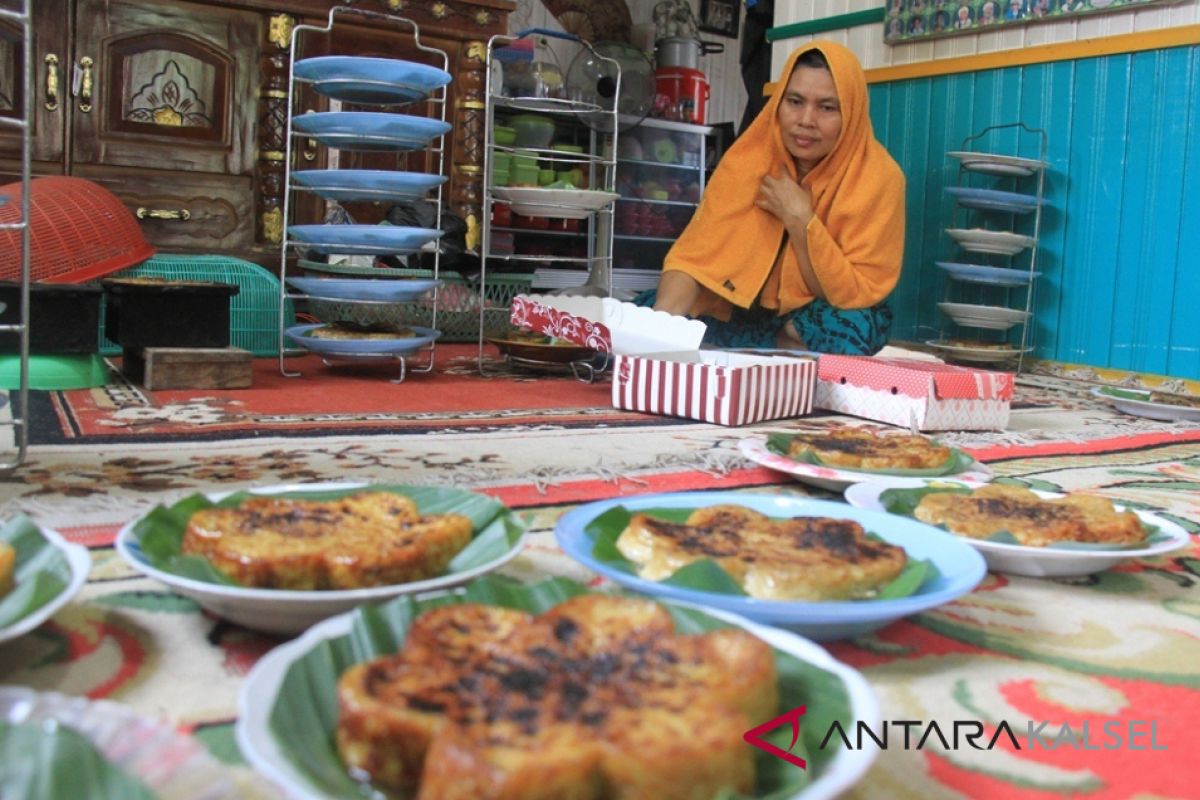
[567, 704]
[803, 558]
[1031, 520]
[857, 448]
[363, 539]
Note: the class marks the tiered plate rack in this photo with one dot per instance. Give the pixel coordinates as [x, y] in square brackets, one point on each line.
[594, 205]
[18, 422]
[362, 81]
[999, 230]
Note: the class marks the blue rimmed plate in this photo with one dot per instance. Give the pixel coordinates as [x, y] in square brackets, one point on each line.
[376, 240]
[979, 240]
[381, 291]
[995, 276]
[367, 184]
[369, 130]
[959, 566]
[992, 200]
[379, 81]
[301, 335]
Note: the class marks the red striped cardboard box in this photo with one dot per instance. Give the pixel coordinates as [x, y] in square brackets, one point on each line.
[713, 386]
[933, 397]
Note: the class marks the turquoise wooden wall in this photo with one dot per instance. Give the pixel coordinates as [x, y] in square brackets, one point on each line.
[1120, 244]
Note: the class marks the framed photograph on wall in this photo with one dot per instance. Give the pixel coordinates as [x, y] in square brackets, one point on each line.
[920, 20]
[720, 17]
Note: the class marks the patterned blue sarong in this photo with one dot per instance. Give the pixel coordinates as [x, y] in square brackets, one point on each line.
[824, 328]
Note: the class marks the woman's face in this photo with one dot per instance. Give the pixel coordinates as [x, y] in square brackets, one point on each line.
[810, 116]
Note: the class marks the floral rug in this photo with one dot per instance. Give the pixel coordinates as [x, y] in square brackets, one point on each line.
[1121, 645]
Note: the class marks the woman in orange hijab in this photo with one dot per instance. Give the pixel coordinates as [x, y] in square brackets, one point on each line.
[800, 233]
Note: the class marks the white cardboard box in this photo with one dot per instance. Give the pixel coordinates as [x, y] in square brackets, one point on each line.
[934, 397]
[715, 386]
[606, 325]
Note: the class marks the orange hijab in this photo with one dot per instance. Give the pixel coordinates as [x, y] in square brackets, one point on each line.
[855, 240]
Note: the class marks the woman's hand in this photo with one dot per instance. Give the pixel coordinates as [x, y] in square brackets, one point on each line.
[790, 202]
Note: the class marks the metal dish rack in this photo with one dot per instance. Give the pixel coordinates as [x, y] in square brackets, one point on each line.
[1006, 278]
[19, 422]
[438, 98]
[600, 161]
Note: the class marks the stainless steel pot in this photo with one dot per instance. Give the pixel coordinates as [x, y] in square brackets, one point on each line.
[683, 52]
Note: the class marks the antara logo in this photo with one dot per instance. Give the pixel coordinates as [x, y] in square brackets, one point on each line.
[911, 734]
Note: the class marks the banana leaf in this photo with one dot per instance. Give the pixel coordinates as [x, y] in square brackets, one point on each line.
[48, 761]
[956, 463]
[905, 502]
[496, 529]
[706, 575]
[41, 571]
[304, 715]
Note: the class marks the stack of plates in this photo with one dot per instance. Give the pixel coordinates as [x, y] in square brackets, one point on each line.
[635, 279]
[992, 164]
[376, 81]
[994, 317]
[978, 240]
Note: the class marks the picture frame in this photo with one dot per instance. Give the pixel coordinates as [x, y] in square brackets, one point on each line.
[720, 17]
[921, 20]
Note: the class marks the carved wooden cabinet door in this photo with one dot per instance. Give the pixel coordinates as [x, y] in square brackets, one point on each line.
[49, 85]
[163, 108]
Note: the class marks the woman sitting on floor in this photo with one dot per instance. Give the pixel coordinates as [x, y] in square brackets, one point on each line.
[799, 236]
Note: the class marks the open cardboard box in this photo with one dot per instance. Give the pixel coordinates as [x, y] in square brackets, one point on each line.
[660, 369]
[933, 397]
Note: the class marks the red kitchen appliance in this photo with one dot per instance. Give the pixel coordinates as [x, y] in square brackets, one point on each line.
[687, 93]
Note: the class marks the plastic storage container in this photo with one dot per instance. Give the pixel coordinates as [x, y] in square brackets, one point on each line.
[63, 319]
[151, 312]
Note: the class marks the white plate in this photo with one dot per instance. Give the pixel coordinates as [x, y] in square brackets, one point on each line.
[1145, 407]
[80, 562]
[555, 203]
[993, 164]
[260, 689]
[1043, 562]
[992, 317]
[288, 611]
[960, 567]
[978, 240]
[174, 766]
[981, 354]
[836, 480]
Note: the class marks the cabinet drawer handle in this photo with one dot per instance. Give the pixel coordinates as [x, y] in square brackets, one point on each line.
[163, 213]
[85, 84]
[51, 82]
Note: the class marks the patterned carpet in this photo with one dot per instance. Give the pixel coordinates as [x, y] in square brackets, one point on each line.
[1120, 645]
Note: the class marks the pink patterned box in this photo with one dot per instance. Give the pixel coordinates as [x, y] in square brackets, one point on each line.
[606, 325]
[715, 386]
[934, 397]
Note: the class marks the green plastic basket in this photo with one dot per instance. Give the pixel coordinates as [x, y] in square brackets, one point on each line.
[458, 306]
[253, 311]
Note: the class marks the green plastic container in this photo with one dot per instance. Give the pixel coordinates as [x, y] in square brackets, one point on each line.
[55, 372]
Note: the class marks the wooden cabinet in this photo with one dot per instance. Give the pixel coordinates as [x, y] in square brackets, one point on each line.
[179, 108]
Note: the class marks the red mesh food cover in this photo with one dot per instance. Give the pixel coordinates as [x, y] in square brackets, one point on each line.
[78, 230]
